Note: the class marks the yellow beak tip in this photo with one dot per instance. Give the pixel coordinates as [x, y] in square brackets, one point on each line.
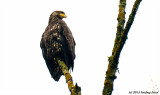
[63, 15]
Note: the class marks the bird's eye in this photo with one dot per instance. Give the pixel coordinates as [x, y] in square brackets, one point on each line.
[62, 12]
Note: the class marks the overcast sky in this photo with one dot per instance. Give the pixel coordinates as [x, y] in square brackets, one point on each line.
[93, 23]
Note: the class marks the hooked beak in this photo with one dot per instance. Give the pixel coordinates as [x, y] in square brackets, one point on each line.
[63, 15]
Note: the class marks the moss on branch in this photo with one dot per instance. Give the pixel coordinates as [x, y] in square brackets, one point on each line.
[120, 40]
[74, 89]
[131, 18]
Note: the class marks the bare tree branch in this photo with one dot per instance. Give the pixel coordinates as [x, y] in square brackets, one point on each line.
[120, 40]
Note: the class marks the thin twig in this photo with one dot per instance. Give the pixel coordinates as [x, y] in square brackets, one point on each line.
[131, 17]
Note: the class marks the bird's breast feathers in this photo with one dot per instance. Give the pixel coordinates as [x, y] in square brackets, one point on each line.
[55, 27]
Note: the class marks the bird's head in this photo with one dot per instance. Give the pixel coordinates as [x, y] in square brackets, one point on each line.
[58, 14]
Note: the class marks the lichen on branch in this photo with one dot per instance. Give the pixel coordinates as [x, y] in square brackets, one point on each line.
[74, 89]
[120, 40]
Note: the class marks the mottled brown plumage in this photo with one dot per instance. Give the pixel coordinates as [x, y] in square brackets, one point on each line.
[57, 42]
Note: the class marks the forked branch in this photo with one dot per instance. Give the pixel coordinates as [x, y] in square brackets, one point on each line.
[120, 40]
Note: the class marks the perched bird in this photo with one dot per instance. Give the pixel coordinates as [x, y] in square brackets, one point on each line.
[57, 42]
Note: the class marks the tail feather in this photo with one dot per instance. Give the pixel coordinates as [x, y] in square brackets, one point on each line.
[54, 70]
[57, 73]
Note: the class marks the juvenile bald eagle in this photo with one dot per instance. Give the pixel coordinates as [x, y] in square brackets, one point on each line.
[57, 42]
